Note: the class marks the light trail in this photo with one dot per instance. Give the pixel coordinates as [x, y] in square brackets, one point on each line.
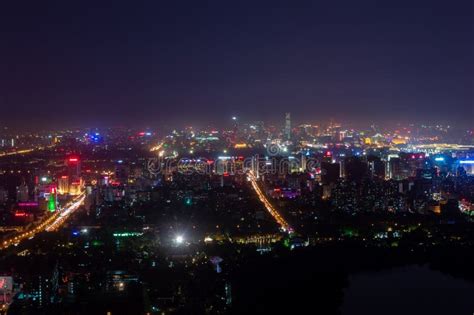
[17, 152]
[28, 234]
[157, 147]
[273, 212]
[24, 151]
[51, 223]
[66, 212]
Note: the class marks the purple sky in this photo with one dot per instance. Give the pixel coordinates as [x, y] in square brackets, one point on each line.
[125, 62]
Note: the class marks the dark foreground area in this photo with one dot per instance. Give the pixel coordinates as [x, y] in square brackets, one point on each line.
[342, 279]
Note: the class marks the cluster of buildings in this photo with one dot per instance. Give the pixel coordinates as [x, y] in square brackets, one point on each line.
[172, 204]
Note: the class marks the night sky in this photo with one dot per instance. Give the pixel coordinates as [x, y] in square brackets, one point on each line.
[159, 62]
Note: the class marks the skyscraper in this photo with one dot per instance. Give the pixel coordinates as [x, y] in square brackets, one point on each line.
[74, 175]
[287, 126]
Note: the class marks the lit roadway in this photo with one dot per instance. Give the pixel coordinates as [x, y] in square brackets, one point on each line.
[51, 223]
[273, 212]
[66, 212]
[157, 147]
[23, 151]
[16, 152]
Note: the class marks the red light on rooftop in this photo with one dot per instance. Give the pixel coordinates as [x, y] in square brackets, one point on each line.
[20, 214]
[73, 159]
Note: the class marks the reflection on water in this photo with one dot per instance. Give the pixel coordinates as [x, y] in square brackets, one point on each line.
[408, 290]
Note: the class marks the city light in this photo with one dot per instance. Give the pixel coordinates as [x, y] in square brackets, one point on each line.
[129, 185]
[273, 212]
[179, 239]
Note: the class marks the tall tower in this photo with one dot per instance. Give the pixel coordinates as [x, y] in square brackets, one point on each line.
[73, 167]
[287, 126]
[74, 175]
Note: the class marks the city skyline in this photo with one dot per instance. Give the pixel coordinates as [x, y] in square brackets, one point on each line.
[245, 157]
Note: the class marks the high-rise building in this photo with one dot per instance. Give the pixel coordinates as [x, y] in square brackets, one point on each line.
[288, 126]
[73, 167]
[63, 185]
[355, 169]
[22, 193]
[74, 175]
[329, 173]
[3, 195]
[376, 167]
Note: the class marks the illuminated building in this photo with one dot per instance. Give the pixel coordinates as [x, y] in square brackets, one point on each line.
[43, 283]
[22, 193]
[413, 162]
[6, 289]
[376, 167]
[288, 126]
[73, 167]
[398, 141]
[224, 165]
[240, 146]
[467, 165]
[63, 185]
[303, 163]
[71, 183]
[119, 280]
[3, 195]
[52, 201]
[396, 170]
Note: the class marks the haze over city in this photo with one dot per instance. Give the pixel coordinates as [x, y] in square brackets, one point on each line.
[246, 157]
[200, 62]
